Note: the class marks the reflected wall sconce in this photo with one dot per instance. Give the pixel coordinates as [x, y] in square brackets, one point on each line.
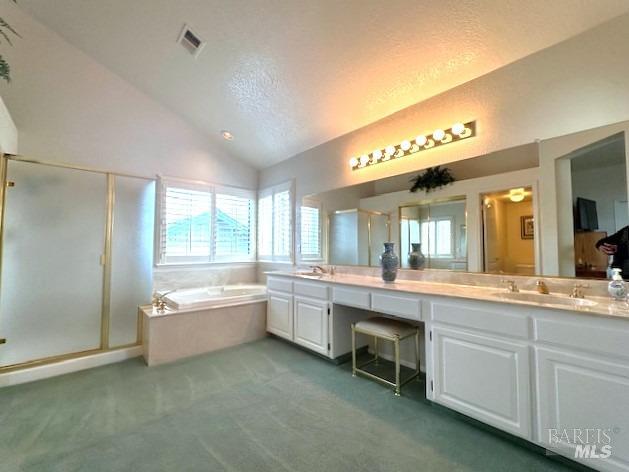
[423, 142]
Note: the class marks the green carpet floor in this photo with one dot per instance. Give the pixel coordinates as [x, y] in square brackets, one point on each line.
[264, 406]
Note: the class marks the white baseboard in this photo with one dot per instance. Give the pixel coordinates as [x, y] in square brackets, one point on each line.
[31, 374]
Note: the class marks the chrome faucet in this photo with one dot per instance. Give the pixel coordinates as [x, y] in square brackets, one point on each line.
[578, 290]
[318, 269]
[542, 287]
[511, 286]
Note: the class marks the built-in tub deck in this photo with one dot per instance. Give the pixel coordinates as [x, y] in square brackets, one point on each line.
[203, 320]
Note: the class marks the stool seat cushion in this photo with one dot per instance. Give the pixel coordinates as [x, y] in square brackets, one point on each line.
[388, 327]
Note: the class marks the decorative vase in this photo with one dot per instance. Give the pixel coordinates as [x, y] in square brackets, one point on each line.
[389, 262]
[416, 259]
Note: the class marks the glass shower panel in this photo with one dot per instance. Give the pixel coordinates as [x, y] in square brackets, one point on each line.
[52, 278]
[132, 256]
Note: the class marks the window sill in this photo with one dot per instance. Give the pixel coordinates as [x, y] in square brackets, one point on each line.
[200, 265]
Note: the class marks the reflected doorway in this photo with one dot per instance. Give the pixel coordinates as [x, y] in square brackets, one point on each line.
[509, 232]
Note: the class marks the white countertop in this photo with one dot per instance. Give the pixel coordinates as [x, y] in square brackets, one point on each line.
[604, 306]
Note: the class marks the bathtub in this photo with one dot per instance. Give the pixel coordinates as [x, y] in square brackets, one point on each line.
[203, 320]
[208, 297]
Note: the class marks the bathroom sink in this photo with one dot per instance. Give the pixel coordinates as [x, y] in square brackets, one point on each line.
[560, 300]
[308, 273]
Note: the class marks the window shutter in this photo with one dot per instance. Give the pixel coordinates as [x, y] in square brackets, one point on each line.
[275, 223]
[234, 226]
[265, 226]
[281, 224]
[310, 231]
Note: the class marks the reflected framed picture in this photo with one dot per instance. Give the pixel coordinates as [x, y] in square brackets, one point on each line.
[527, 227]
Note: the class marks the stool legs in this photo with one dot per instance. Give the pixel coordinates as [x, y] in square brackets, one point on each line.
[397, 366]
[375, 348]
[417, 366]
[353, 350]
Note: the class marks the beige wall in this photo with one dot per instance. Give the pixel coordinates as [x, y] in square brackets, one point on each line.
[553, 92]
[519, 252]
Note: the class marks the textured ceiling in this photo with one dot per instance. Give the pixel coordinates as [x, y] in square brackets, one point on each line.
[286, 75]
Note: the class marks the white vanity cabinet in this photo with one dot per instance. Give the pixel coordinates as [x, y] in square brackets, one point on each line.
[526, 370]
[582, 370]
[279, 315]
[481, 362]
[299, 311]
[484, 377]
[311, 323]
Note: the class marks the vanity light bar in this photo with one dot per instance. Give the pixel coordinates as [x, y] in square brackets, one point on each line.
[439, 137]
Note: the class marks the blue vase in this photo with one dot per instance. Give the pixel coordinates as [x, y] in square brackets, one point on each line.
[389, 262]
[416, 259]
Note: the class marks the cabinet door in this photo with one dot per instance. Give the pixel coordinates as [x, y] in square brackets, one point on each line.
[311, 324]
[279, 314]
[484, 377]
[581, 392]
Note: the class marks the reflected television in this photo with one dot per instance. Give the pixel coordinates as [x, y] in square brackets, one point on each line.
[586, 215]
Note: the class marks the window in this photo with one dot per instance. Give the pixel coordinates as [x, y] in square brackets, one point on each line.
[310, 230]
[436, 237]
[275, 217]
[200, 224]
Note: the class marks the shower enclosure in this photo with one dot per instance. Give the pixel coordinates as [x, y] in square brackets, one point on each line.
[76, 260]
[357, 236]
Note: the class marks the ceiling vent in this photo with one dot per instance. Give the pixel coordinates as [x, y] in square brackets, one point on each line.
[191, 41]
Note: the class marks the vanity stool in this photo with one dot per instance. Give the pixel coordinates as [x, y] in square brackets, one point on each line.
[390, 330]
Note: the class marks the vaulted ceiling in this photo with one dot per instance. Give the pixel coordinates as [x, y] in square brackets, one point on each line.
[286, 75]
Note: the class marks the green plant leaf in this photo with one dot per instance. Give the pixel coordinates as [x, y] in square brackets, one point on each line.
[5, 70]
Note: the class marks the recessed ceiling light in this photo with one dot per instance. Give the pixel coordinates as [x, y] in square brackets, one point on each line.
[227, 135]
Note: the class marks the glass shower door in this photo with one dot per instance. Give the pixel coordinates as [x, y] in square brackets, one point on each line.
[52, 277]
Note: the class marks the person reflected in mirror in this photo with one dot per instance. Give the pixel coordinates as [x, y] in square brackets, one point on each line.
[617, 246]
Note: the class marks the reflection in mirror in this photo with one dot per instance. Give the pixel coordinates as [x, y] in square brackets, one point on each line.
[356, 236]
[440, 230]
[598, 177]
[508, 232]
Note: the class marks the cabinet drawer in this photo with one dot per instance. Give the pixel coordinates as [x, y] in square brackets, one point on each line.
[311, 289]
[399, 305]
[505, 321]
[611, 340]
[355, 297]
[283, 285]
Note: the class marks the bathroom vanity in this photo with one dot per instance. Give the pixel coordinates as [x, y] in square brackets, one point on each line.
[528, 365]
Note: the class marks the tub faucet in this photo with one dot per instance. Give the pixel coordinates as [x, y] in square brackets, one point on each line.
[158, 299]
[542, 287]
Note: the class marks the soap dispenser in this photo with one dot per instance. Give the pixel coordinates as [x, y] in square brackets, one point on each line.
[616, 287]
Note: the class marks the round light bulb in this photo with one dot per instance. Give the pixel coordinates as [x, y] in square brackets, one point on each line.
[364, 159]
[516, 195]
[377, 155]
[353, 162]
[458, 128]
[405, 145]
[421, 140]
[439, 134]
[390, 150]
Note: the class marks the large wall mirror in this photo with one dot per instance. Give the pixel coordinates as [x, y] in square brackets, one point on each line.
[557, 207]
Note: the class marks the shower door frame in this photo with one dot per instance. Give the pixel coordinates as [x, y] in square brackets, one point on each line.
[106, 258]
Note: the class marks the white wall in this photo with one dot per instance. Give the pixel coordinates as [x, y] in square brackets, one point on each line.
[69, 108]
[551, 93]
